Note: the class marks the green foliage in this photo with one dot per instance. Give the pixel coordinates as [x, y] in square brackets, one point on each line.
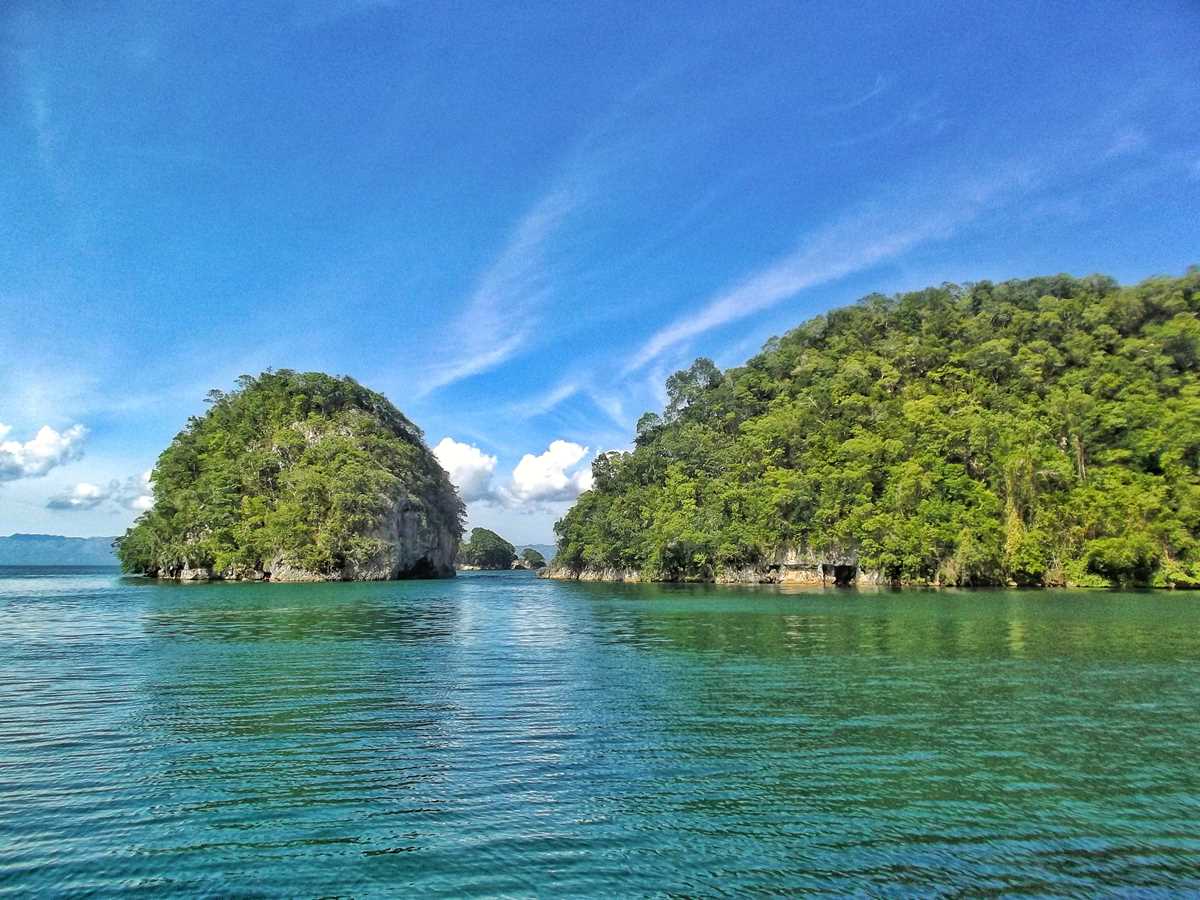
[298, 466]
[532, 558]
[1033, 432]
[487, 550]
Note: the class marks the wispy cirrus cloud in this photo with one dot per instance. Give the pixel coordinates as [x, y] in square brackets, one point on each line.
[865, 238]
[581, 383]
[880, 86]
[545, 401]
[499, 319]
[1127, 141]
[24, 34]
[38, 97]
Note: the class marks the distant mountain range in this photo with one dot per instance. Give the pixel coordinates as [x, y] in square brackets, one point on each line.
[56, 550]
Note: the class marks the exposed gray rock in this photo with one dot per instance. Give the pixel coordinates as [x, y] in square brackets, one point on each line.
[791, 565]
[590, 573]
[282, 571]
[410, 546]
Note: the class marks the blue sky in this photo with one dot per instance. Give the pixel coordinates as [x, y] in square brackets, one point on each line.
[516, 221]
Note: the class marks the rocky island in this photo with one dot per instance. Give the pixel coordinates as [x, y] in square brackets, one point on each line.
[487, 551]
[1041, 432]
[297, 477]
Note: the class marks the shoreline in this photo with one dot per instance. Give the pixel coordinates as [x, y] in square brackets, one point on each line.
[773, 577]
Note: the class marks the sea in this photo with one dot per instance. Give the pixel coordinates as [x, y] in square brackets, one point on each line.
[497, 734]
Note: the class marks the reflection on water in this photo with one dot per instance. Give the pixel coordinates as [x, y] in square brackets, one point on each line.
[501, 734]
[920, 623]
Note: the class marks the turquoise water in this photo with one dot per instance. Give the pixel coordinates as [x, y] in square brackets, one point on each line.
[497, 734]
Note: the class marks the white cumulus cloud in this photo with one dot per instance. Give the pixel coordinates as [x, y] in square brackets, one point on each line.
[138, 493]
[82, 496]
[134, 493]
[557, 474]
[46, 450]
[546, 477]
[469, 468]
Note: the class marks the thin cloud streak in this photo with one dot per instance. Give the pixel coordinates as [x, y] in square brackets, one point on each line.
[467, 365]
[880, 86]
[581, 385]
[512, 290]
[507, 296]
[36, 89]
[855, 243]
[546, 401]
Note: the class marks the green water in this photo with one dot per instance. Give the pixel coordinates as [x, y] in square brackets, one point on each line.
[497, 734]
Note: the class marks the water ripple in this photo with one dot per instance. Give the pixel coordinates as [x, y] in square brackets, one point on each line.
[497, 734]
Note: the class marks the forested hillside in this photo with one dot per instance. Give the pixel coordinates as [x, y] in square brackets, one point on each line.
[297, 476]
[1038, 432]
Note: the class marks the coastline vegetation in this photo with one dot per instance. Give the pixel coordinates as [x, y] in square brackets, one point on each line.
[1035, 432]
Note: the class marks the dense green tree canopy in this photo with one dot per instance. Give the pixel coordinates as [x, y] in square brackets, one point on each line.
[487, 550]
[1039, 432]
[299, 467]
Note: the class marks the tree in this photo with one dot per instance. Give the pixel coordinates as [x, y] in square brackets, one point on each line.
[685, 388]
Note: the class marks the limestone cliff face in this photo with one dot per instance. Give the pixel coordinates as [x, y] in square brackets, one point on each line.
[590, 573]
[412, 546]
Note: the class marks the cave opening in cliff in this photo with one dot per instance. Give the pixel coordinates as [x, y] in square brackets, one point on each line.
[843, 576]
[422, 568]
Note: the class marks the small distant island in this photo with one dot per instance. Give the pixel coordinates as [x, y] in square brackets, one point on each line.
[297, 476]
[487, 551]
[1041, 432]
